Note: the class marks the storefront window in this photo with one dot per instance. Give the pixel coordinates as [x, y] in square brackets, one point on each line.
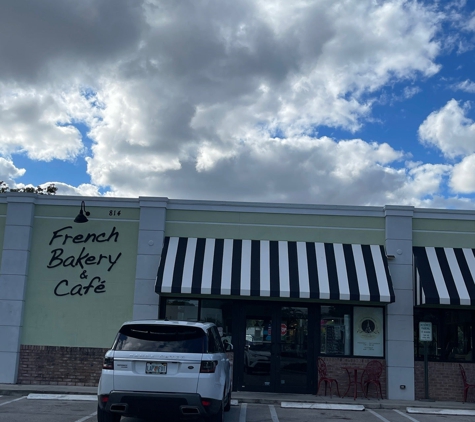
[452, 334]
[335, 330]
[182, 309]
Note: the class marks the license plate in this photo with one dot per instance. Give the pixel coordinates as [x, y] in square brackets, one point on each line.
[155, 368]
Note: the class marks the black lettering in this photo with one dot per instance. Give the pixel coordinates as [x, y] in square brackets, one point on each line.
[90, 260]
[89, 236]
[89, 286]
[78, 238]
[101, 257]
[56, 288]
[76, 290]
[80, 258]
[56, 235]
[66, 237]
[69, 262]
[101, 288]
[113, 262]
[114, 233]
[100, 236]
[56, 257]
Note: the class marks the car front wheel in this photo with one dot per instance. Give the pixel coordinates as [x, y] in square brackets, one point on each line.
[105, 416]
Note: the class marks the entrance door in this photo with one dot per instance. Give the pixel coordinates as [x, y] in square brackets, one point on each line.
[275, 348]
[293, 349]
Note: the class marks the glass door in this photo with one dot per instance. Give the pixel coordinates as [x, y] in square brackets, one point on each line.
[293, 348]
[275, 343]
[259, 366]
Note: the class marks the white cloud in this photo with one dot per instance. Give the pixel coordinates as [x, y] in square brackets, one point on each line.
[206, 81]
[298, 169]
[467, 86]
[463, 176]
[37, 124]
[219, 100]
[449, 130]
[9, 172]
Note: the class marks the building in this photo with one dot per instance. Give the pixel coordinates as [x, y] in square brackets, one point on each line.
[285, 283]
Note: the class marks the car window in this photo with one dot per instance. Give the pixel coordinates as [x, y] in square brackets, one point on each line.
[215, 343]
[161, 338]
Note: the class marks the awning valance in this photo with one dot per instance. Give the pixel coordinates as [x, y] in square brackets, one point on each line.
[261, 268]
[444, 276]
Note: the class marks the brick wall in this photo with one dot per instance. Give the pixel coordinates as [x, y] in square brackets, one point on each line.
[335, 370]
[60, 365]
[445, 381]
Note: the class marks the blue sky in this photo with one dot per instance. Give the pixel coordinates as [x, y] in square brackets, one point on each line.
[349, 102]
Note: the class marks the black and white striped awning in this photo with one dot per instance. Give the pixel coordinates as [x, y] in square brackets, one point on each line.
[444, 276]
[262, 268]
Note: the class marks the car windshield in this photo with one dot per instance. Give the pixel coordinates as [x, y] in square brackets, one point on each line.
[161, 338]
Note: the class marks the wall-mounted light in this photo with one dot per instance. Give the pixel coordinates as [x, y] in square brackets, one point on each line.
[81, 218]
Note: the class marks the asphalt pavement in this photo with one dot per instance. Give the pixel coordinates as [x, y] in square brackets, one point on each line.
[265, 398]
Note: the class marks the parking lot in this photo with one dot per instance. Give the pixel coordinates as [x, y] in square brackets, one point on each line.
[21, 409]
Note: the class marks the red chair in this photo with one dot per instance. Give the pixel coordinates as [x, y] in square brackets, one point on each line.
[323, 377]
[466, 385]
[372, 375]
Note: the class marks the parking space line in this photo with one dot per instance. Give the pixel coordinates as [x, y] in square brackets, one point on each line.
[11, 401]
[406, 416]
[273, 413]
[86, 417]
[242, 414]
[377, 415]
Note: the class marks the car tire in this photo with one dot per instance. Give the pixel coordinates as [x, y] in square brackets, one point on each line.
[227, 407]
[105, 416]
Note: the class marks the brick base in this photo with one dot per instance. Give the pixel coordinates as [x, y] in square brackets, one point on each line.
[445, 381]
[51, 365]
[335, 370]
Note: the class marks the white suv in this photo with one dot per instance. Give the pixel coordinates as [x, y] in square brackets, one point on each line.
[167, 370]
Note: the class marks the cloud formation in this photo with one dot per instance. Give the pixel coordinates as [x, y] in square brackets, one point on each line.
[226, 100]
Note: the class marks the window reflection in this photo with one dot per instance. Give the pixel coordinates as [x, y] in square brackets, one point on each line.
[182, 310]
[452, 334]
[335, 330]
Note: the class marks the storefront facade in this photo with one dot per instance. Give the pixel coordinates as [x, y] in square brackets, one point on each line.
[285, 284]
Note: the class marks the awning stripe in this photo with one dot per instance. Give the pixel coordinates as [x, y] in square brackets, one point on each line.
[304, 285]
[352, 275]
[444, 276]
[322, 269]
[188, 265]
[275, 269]
[361, 275]
[265, 269]
[294, 276]
[226, 267]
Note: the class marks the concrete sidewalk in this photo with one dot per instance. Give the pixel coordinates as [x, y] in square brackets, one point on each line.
[253, 397]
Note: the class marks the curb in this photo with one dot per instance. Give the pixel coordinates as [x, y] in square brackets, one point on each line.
[432, 411]
[322, 406]
[67, 397]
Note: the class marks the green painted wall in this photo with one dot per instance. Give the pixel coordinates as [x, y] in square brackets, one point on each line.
[443, 233]
[275, 226]
[60, 309]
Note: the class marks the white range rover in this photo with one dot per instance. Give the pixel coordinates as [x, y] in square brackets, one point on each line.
[165, 370]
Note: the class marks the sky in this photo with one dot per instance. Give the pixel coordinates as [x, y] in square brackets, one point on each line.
[337, 102]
